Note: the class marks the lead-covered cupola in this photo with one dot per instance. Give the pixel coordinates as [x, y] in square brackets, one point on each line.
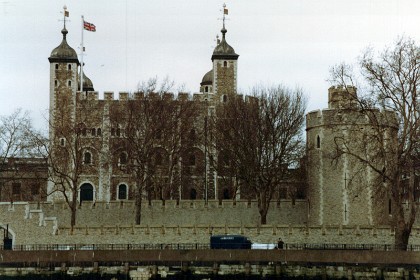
[64, 53]
[223, 50]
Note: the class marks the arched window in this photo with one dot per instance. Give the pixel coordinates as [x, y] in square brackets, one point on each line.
[118, 132]
[158, 159]
[86, 192]
[192, 135]
[69, 83]
[389, 207]
[224, 63]
[62, 142]
[55, 83]
[224, 158]
[93, 132]
[69, 67]
[226, 194]
[56, 66]
[123, 158]
[206, 89]
[191, 160]
[122, 192]
[318, 142]
[87, 158]
[98, 132]
[224, 98]
[193, 194]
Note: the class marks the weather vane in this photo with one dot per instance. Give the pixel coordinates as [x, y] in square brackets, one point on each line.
[65, 14]
[225, 12]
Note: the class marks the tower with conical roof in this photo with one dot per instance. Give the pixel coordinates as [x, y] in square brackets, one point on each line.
[223, 76]
[63, 82]
[63, 87]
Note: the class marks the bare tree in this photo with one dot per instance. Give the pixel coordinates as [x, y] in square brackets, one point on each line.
[15, 135]
[155, 123]
[390, 81]
[66, 150]
[262, 136]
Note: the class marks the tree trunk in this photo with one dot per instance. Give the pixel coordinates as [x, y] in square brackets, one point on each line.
[263, 209]
[138, 205]
[73, 209]
[263, 218]
[402, 234]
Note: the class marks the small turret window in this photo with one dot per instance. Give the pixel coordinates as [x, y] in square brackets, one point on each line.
[224, 63]
[56, 67]
[55, 83]
[87, 158]
[389, 207]
[69, 83]
[192, 160]
[69, 67]
[207, 89]
[318, 142]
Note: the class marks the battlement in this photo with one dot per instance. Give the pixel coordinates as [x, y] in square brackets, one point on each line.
[336, 117]
[124, 96]
[340, 97]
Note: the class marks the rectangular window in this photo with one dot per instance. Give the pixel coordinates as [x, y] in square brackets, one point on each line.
[35, 189]
[16, 188]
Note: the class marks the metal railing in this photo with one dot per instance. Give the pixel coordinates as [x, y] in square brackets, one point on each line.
[204, 246]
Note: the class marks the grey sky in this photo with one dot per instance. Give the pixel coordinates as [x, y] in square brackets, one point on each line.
[293, 42]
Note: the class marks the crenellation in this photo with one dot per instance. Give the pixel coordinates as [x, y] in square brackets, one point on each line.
[92, 95]
[168, 96]
[109, 95]
[183, 96]
[123, 96]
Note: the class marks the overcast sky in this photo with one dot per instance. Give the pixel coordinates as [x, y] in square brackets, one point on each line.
[292, 42]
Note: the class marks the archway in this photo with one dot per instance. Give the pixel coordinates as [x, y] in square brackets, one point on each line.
[86, 192]
[193, 194]
[8, 237]
[226, 194]
[122, 192]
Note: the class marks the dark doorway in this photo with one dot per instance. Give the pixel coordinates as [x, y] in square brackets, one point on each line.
[193, 194]
[122, 192]
[86, 192]
[226, 194]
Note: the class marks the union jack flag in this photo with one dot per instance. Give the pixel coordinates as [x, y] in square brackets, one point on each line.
[89, 26]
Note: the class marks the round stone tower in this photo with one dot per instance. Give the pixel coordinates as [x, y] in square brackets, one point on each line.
[342, 188]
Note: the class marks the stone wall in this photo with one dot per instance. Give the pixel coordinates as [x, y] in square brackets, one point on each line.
[190, 222]
[187, 212]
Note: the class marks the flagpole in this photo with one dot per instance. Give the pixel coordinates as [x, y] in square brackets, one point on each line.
[81, 58]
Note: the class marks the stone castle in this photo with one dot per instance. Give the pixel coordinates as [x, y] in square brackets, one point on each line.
[338, 192]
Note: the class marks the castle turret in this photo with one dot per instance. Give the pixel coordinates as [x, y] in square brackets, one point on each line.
[87, 83]
[63, 86]
[342, 188]
[63, 82]
[225, 65]
[206, 84]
